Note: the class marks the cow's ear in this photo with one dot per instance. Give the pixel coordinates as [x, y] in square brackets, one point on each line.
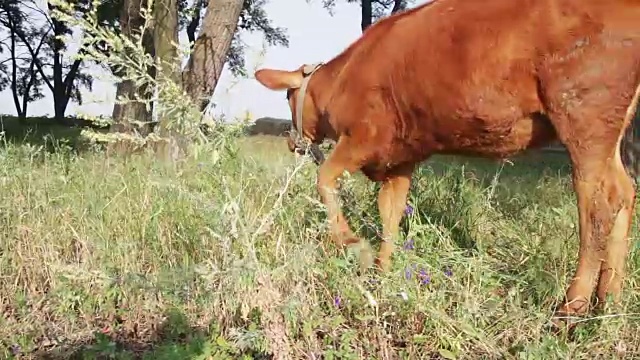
[279, 79]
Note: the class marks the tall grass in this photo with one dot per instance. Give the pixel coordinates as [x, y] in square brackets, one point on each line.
[225, 255]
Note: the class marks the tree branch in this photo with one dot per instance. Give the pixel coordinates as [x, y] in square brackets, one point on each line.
[397, 6]
[71, 77]
[34, 55]
[14, 68]
[32, 75]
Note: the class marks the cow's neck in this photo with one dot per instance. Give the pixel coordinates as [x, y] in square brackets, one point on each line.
[319, 92]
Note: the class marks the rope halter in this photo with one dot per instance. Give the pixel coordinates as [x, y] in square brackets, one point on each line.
[298, 138]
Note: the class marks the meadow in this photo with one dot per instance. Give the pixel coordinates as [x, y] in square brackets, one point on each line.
[225, 255]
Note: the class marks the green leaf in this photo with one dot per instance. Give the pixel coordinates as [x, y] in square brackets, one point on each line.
[447, 354]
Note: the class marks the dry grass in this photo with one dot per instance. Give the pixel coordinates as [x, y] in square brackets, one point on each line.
[132, 258]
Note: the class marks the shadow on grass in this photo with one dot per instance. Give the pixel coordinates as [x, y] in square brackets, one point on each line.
[458, 207]
[450, 191]
[527, 166]
[175, 338]
[45, 132]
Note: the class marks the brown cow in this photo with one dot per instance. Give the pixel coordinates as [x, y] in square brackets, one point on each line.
[489, 79]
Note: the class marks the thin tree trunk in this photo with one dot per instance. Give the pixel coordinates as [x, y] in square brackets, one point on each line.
[14, 73]
[165, 35]
[123, 114]
[397, 6]
[203, 70]
[61, 85]
[32, 79]
[367, 14]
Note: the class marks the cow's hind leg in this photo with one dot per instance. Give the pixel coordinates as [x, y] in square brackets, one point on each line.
[343, 158]
[586, 98]
[612, 269]
[605, 197]
[392, 199]
[622, 198]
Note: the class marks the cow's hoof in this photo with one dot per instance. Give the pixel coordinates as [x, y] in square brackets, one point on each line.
[382, 265]
[567, 316]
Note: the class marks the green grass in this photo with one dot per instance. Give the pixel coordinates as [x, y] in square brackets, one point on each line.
[42, 131]
[226, 256]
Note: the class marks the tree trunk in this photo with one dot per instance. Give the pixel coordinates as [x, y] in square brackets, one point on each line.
[22, 116]
[165, 35]
[123, 114]
[398, 5]
[203, 70]
[367, 14]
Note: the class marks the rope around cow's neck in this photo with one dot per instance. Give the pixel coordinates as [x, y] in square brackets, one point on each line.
[300, 141]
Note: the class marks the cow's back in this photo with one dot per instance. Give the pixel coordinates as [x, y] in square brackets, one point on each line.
[463, 77]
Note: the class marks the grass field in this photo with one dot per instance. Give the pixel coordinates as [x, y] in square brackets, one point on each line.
[226, 256]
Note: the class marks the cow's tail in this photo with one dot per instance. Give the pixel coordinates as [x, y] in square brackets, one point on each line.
[629, 148]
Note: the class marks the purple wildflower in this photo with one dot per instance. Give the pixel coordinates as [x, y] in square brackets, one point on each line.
[448, 272]
[337, 301]
[15, 349]
[424, 277]
[409, 244]
[407, 273]
[408, 210]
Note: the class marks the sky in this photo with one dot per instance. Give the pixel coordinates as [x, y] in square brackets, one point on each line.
[314, 36]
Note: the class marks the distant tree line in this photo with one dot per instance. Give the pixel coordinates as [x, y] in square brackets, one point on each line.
[36, 58]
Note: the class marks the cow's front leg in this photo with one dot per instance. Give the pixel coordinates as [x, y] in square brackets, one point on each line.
[343, 158]
[392, 199]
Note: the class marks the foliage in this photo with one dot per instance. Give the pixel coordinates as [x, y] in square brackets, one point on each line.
[39, 53]
[253, 18]
[380, 8]
[18, 70]
[226, 256]
[66, 78]
[38, 66]
[9, 14]
[128, 58]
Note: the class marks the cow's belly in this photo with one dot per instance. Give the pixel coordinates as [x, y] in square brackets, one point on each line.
[499, 139]
[494, 119]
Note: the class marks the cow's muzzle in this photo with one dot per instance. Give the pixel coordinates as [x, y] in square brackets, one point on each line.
[301, 149]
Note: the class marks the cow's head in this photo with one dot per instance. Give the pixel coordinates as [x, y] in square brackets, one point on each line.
[304, 111]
